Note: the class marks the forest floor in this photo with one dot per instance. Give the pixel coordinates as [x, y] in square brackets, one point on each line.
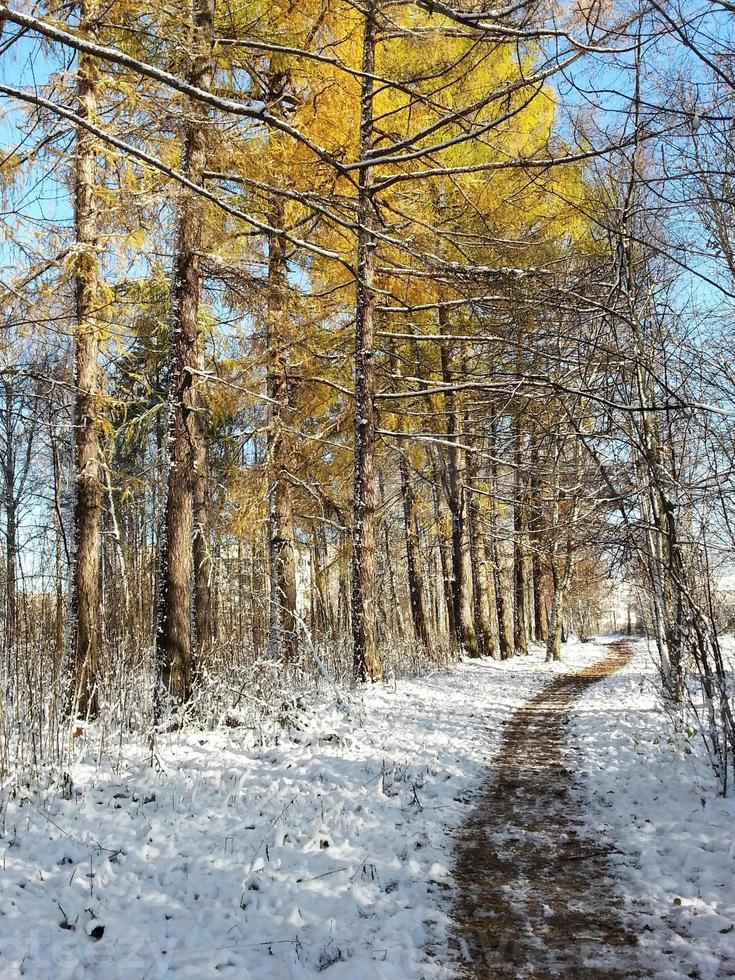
[328, 837]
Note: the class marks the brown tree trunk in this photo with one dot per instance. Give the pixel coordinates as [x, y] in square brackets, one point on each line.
[186, 453]
[561, 577]
[282, 625]
[416, 590]
[59, 603]
[325, 615]
[366, 660]
[457, 495]
[59, 551]
[393, 616]
[202, 73]
[483, 585]
[487, 599]
[7, 464]
[85, 586]
[520, 575]
[344, 619]
[11, 550]
[539, 620]
[503, 605]
[202, 554]
[556, 615]
[443, 522]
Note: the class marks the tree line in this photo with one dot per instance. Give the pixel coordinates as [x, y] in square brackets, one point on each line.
[348, 337]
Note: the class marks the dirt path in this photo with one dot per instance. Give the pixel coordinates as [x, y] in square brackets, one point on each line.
[534, 897]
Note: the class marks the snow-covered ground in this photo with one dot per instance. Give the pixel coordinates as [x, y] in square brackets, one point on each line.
[655, 799]
[327, 846]
[324, 844]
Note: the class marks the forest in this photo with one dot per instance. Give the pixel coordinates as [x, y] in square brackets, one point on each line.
[346, 347]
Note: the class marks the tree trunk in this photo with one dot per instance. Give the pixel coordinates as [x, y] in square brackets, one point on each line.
[344, 619]
[520, 575]
[483, 585]
[561, 577]
[503, 607]
[443, 521]
[7, 464]
[11, 550]
[202, 554]
[282, 625]
[457, 495]
[556, 615]
[416, 590]
[185, 417]
[85, 586]
[539, 621]
[61, 549]
[394, 605]
[366, 660]
[325, 614]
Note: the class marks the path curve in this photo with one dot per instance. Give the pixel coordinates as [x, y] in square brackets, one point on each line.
[535, 899]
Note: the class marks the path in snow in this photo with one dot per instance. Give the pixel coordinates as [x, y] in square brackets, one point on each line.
[535, 899]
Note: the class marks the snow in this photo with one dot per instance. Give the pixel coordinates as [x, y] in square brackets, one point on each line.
[653, 795]
[323, 841]
[323, 844]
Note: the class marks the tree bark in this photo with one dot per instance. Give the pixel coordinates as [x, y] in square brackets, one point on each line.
[443, 521]
[457, 494]
[556, 615]
[560, 582]
[561, 576]
[85, 585]
[11, 598]
[282, 624]
[201, 545]
[416, 590]
[62, 551]
[186, 452]
[539, 620]
[11, 531]
[366, 660]
[520, 576]
[503, 606]
[483, 585]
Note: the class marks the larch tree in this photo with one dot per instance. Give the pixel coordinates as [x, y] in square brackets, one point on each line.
[282, 626]
[184, 557]
[85, 594]
[377, 224]
[367, 665]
